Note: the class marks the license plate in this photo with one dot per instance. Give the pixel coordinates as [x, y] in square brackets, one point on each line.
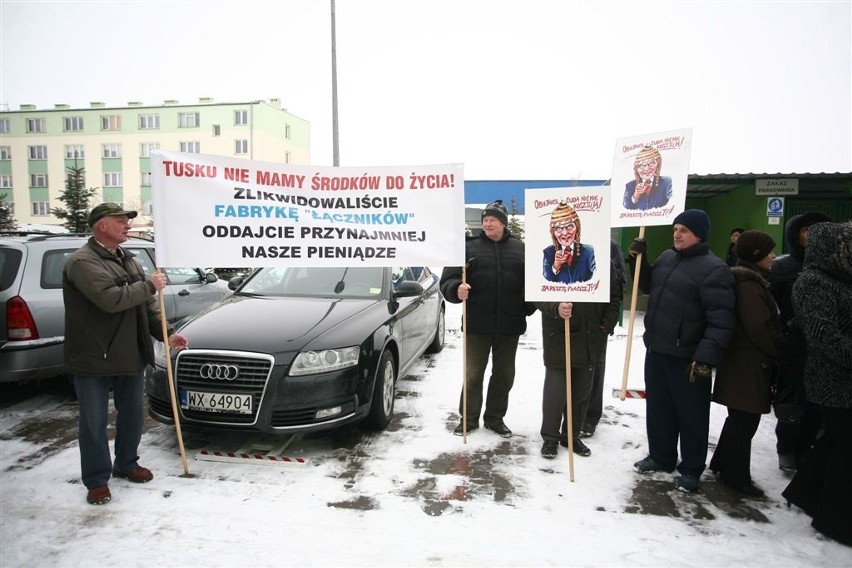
[215, 402]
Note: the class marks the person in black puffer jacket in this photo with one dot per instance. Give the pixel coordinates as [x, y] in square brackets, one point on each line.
[822, 299]
[688, 325]
[496, 316]
[799, 422]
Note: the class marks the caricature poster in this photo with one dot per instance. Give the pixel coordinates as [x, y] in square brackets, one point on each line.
[567, 241]
[649, 174]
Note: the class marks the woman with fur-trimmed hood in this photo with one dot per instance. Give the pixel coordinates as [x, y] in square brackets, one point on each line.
[822, 299]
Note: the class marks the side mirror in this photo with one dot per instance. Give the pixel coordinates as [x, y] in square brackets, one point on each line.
[235, 282]
[210, 277]
[408, 289]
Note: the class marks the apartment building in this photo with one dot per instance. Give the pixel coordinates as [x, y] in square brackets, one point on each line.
[114, 144]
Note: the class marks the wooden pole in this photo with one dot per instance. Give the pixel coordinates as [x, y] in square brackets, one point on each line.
[569, 414]
[170, 381]
[464, 360]
[637, 269]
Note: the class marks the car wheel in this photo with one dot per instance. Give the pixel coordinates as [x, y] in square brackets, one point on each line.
[440, 332]
[381, 409]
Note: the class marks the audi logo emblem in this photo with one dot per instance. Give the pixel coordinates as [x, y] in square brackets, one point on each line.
[219, 372]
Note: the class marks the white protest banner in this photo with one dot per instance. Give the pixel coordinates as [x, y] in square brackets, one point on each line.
[649, 174]
[567, 244]
[223, 211]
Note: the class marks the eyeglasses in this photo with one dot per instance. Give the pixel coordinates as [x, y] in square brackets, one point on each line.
[647, 164]
[565, 228]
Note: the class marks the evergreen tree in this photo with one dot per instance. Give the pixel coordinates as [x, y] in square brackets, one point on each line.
[7, 220]
[515, 226]
[76, 198]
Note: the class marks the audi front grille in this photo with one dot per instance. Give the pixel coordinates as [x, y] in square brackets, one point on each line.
[212, 371]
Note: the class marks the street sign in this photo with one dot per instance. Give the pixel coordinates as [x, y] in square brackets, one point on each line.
[775, 206]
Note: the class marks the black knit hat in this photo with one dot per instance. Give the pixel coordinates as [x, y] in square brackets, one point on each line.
[753, 246]
[496, 209]
[696, 221]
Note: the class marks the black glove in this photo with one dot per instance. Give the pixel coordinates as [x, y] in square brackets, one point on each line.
[700, 371]
[637, 247]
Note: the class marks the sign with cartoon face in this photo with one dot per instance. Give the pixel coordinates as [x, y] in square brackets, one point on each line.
[567, 244]
[649, 175]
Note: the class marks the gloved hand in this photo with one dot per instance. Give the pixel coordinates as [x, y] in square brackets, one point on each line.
[637, 247]
[700, 371]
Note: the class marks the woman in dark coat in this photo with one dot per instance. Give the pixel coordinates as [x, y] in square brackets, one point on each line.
[822, 298]
[744, 377]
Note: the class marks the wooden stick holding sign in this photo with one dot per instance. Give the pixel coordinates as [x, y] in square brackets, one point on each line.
[637, 269]
[569, 414]
[464, 360]
[170, 381]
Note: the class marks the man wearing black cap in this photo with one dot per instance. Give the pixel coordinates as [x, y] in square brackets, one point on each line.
[799, 421]
[688, 324]
[110, 315]
[496, 317]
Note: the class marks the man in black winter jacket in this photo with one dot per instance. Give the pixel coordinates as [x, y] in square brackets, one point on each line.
[496, 317]
[689, 322]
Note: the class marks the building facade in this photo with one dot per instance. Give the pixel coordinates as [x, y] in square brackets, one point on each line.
[113, 145]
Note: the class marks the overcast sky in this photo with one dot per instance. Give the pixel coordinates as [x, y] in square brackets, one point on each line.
[529, 89]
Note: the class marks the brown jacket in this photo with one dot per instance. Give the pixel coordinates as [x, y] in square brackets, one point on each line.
[110, 313]
[744, 376]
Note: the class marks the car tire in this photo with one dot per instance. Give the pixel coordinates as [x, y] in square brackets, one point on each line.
[384, 386]
[440, 334]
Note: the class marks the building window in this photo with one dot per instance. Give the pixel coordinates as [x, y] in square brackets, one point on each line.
[287, 131]
[145, 179]
[112, 179]
[72, 123]
[240, 117]
[111, 122]
[147, 208]
[217, 130]
[38, 180]
[286, 157]
[4, 125]
[149, 121]
[240, 146]
[188, 120]
[41, 208]
[6, 181]
[146, 148]
[35, 125]
[37, 152]
[190, 147]
[111, 151]
[5, 152]
[74, 151]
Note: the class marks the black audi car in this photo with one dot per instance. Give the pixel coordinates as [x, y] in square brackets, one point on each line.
[302, 349]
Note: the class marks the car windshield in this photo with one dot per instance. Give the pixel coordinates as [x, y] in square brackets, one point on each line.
[364, 282]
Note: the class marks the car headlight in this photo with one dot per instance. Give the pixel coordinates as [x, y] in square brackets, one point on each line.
[311, 362]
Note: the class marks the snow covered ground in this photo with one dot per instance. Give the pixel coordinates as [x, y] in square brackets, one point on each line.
[414, 495]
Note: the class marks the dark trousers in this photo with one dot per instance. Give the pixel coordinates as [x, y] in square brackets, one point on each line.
[732, 458]
[96, 463]
[822, 485]
[554, 401]
[676, 408]
[797, 438]
[502, 351]
[595, 411]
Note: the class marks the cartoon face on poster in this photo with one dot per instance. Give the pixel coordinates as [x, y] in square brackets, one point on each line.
[567, 244]
[649, 174]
